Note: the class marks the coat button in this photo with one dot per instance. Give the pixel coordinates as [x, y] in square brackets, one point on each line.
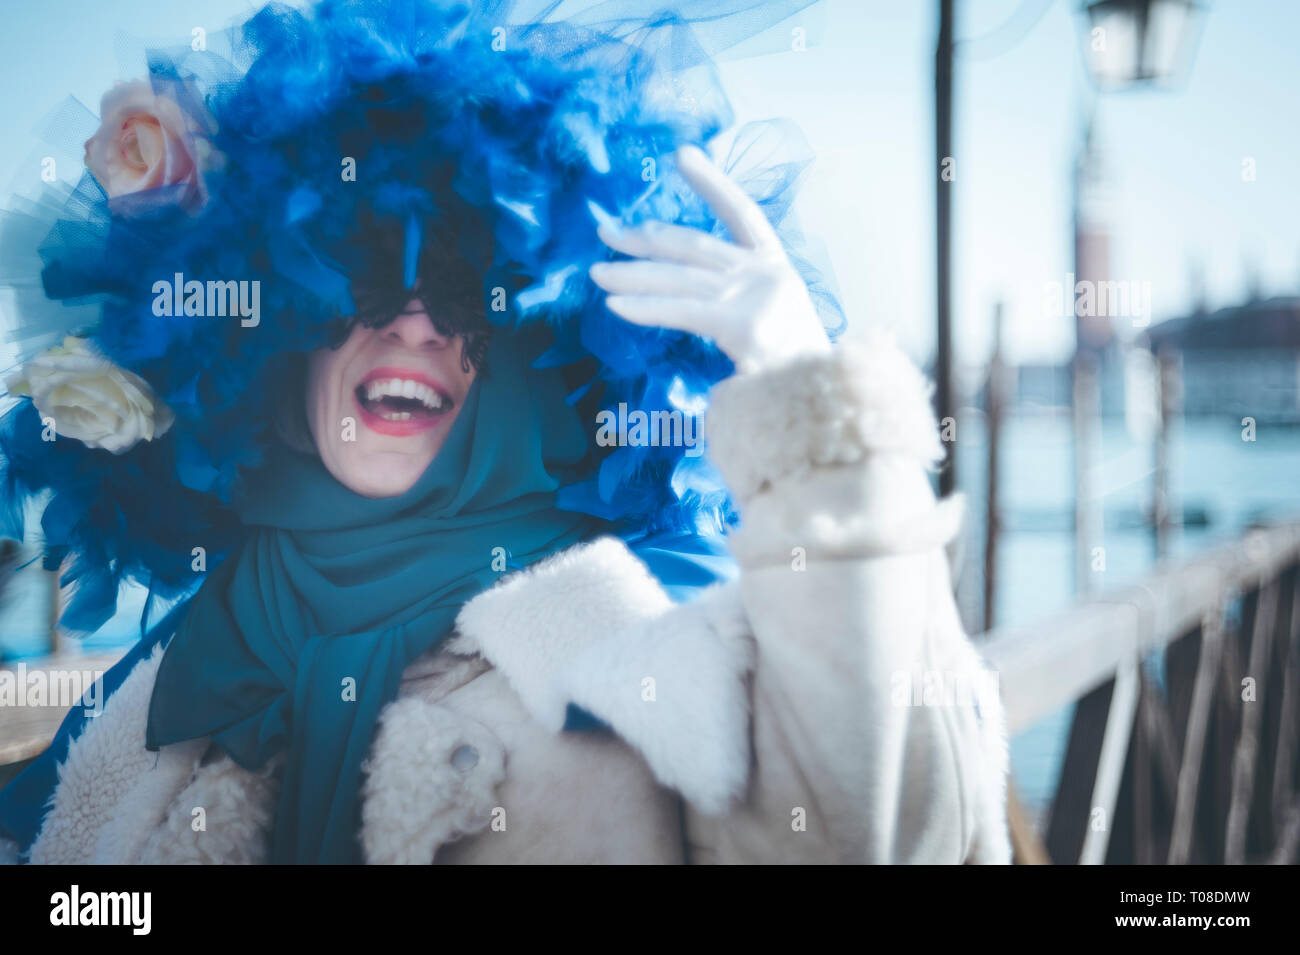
[464, 757]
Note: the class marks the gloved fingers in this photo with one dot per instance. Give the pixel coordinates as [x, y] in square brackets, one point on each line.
[737, 211]
[673, 243]
[668, 279]
[685, 314]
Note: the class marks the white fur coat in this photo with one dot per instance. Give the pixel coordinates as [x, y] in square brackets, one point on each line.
[823, 707]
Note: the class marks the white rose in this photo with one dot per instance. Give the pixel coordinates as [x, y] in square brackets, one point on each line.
[90, 398]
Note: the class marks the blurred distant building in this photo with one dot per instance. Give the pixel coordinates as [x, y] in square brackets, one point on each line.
[1241, 361]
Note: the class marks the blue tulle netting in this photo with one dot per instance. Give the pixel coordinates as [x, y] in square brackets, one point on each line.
[521, 123]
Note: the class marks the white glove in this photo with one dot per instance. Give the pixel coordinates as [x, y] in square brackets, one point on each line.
[745, 295]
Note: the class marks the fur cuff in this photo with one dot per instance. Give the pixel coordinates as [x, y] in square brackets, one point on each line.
[819, 411]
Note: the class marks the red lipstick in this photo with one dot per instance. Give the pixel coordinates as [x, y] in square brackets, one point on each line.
[425, 410]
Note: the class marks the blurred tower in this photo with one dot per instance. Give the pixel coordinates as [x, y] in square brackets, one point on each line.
[1197, 293]
[1092, 219]
[1094, 336]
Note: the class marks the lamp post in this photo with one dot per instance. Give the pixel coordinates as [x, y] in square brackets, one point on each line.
[1130, 44]
[945, 399]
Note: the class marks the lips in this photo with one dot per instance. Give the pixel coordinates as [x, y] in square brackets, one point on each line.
[401, 401]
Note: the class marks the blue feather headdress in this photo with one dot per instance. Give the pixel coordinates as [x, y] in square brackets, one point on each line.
[511, 131]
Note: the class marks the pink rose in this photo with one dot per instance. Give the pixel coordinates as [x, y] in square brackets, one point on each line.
[145, 141]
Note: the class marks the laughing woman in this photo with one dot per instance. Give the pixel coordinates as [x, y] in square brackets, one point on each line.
[418, 612]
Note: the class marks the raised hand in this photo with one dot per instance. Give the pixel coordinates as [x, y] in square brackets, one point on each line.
[745, 295]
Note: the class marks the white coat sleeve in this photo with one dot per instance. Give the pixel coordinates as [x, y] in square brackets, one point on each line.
[876, 731]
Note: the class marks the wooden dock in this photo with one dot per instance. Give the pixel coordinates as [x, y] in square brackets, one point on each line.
[1186, 694]
[25, 731]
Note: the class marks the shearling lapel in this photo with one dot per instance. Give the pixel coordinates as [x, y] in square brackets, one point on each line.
[535, 622]
[592, 626]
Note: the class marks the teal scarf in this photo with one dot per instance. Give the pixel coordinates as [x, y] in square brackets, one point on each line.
[296, 642]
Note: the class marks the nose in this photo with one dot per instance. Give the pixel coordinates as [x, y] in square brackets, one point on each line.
[413, 328]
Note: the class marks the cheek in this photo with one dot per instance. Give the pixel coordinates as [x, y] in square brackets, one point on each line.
[323, 375]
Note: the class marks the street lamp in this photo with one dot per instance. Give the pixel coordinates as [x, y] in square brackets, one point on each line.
[1138, 42]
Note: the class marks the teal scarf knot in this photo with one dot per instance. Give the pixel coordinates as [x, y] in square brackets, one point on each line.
[296, 642]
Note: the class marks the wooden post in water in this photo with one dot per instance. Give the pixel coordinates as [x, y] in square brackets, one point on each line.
[992, 518]
[1085, 410]
[944, 396]
[1161, 520]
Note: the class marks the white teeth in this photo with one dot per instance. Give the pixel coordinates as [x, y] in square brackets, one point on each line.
[403, 388]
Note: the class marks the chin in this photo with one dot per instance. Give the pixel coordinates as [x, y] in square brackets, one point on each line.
[385, 478]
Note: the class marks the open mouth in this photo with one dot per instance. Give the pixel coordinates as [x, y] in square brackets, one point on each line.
[398, 401]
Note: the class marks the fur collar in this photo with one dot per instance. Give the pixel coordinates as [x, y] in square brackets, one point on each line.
[592, 626]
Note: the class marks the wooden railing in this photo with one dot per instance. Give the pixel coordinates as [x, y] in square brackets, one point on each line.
[1186, 693]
